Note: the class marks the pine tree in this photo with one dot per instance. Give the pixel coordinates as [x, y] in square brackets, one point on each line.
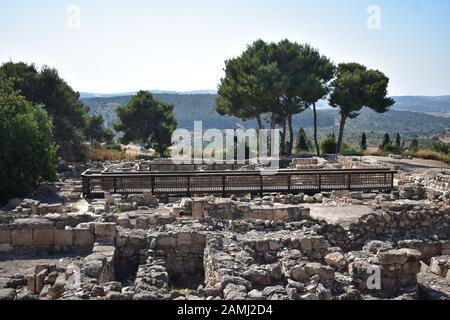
[364, 142]
[398, 140]
[302, 141]
[414, 147]
[386, 141]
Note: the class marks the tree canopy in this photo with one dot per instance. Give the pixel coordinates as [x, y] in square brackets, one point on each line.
[27, 148]
[251, 84]
[96, 130]
[47, 88]
[356, 87]
[148, 121]
[283, 79]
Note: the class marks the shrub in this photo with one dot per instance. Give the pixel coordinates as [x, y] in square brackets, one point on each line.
[28, 152]
[352, 150]
[391, 148]
[328, 145]
[114, 147]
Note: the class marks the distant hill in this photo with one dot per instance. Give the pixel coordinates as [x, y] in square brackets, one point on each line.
[87, 95]
[422, 104]
[194, 107]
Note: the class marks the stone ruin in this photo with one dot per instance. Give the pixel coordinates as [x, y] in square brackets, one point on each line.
[132, 247]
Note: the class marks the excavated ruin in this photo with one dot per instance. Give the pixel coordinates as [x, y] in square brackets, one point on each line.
[279, 246]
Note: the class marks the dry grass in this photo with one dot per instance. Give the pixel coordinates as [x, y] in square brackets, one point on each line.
[432, 155]
[105, 155]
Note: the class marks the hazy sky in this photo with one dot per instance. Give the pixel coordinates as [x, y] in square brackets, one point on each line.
[181, 45]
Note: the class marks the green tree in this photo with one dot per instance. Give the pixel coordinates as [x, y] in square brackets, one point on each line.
[146, 120]
[328, 145]
[386, 141]
[363, 142]
[442, 148]
[354, 88]
[316, 74]
[249, 87]
[62, 103]
[281, 79]
[398, 140]
[27, 148]
[302, 140]
[96, 130]
[414, 146]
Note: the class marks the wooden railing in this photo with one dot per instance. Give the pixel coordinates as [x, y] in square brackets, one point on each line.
[232, 182]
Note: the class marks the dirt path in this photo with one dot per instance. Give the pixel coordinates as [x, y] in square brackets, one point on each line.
[407, 164]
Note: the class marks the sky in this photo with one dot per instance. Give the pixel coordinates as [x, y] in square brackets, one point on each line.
[111, 46]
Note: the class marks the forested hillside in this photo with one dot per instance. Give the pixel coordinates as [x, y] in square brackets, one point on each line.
[193, 107]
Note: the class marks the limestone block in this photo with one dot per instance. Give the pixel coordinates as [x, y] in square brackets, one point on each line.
[43, 237]
[83, 237]
[184, 239]
[63, 237]
[31, 285]
[5, 236]
[281, 214]
[166, 242]
[40, 280]
[6, 247]
[105, 230]
[326, 273]
[123, 220]
[400, 256]
[197, 210]
[262, 245]
[55, 208]
[22, 237]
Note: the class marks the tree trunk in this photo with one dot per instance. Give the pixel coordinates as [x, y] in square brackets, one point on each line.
[283, 136]
[260, 123]
[273, 122]
[316, 141]
[341, 134]
[291, 134]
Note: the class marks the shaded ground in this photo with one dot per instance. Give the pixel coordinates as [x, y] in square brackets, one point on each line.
[432, 286]
[344, 215]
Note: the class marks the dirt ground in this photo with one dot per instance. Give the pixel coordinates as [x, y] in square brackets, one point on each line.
[344, 215]
[416, 165]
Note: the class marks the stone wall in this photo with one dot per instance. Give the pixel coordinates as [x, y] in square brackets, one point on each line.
[349, 162]
[29, 234]
[231, 210]
[396, 220]
[398, 270]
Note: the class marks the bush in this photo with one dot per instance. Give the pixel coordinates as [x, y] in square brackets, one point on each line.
[352, 150]
[28, 152]
[390, 148]
[114, 147]
[328, 145]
